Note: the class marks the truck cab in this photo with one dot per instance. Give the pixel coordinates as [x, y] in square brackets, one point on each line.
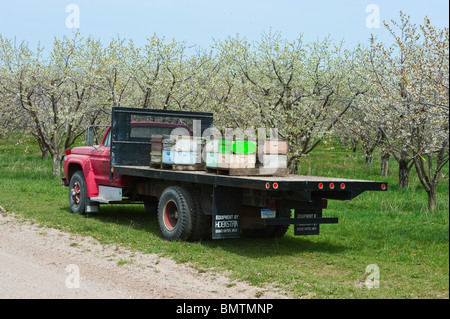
[87, 168]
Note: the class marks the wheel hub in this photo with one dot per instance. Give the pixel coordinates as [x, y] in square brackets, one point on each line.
[170, 215]
[76, 193]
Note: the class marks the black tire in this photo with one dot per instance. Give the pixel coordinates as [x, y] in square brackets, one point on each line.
[201, 223]
[175, 210]
[281, 230]
[78, 193]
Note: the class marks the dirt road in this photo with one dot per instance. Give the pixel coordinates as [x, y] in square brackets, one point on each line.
[44, 263]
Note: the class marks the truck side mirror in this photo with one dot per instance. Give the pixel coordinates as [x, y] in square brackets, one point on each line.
[90, 133]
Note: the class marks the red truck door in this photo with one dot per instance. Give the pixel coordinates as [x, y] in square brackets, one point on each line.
[100, 160]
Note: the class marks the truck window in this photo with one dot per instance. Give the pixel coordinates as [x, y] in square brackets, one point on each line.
[147, 131]
[107, 141]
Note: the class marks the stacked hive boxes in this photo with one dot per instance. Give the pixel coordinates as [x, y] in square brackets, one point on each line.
[182, 150]
[273, 154]
[156, 150]
[268, 157]
[239, 157]
[225, 154]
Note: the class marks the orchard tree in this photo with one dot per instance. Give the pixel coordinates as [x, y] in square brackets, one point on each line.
[114, 81]
[52, 93]
[227, 92]
[428, 91]
[412, 80]
[300, 89]
[359, 124]
[166, 75]
[15, 60]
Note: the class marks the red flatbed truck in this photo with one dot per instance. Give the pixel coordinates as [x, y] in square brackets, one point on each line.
[192, 205]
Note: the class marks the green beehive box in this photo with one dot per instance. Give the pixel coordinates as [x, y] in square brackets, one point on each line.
[244, 147]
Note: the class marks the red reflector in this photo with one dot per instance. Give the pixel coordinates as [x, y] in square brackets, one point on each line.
[275, 185]
[331, 185]
[68, 152]
[383, 186]
[267, 185]
[342, 186]
[320, 185]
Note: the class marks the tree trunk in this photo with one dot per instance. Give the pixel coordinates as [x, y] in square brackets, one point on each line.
[293, 166]
[429, 176]
[354, 144]
[56, 164]
[368, 153]
[403, 173]
[432, 197]
[385, 164]
[44, 154]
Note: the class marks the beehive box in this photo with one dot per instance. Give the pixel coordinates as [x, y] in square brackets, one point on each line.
[186, 158]
[211, 159]
[273, 161]
[167, 157]
[236, 160]
[244, 147]
[274, 147]
[156, 143]
[188, 144]
[155, 157]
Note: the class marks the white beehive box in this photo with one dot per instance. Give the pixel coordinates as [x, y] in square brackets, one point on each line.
[273, 161]
[236, 160]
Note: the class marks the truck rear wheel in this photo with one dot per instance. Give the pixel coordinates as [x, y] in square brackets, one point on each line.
[78, 193]
[175, 210]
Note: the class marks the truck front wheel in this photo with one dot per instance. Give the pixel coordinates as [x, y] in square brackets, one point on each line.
[77, 193]
[175, 210]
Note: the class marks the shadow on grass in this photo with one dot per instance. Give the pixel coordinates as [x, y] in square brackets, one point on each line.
[288, 245]
[134, 216]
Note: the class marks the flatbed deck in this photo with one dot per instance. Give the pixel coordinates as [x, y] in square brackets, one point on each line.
[295, 183]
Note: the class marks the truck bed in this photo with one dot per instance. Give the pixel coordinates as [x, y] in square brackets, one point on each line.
[326, 187]
[130, 156]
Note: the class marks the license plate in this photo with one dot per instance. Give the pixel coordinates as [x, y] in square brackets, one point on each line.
[268, 213]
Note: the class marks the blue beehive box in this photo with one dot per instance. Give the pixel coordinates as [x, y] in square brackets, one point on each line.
[167, 157]
[184, 158]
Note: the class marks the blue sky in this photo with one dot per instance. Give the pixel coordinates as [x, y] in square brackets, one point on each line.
[201, 21]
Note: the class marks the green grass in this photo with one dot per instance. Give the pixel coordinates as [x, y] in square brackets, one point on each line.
[392, 230]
